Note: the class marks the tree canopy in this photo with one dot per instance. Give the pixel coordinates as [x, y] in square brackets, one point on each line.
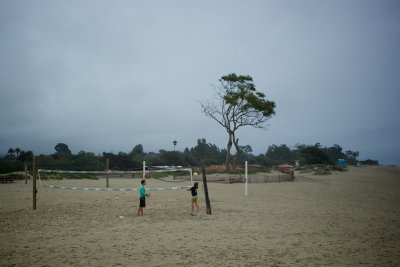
[62, 150]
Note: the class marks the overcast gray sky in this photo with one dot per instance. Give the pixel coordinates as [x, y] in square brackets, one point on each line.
[108, 75]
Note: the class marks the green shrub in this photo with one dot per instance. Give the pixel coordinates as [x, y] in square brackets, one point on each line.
[10, 165]
[15, 176]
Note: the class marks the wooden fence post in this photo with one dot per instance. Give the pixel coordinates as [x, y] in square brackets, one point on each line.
[246, 178]
[34, 191]
[26, 172]
[107, 168]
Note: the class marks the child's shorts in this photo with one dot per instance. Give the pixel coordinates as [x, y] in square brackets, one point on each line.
[194, 197]
[142, 202]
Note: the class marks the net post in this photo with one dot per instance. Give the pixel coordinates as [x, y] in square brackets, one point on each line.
[144, 170]
[26, 172]
[107, 168]
[34, 192]
[246, 178]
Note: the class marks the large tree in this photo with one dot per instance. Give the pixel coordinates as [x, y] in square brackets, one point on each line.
[62, 150]
[11, 151]
[279, 154]
[238, 104]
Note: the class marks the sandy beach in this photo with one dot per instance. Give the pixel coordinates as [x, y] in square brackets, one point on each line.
[344, 219]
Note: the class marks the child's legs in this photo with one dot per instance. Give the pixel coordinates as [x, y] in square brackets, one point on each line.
[142, 204]
[193, 204]
[197, 205]
[140, 211]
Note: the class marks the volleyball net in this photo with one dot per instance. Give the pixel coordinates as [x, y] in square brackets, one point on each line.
[131, 183]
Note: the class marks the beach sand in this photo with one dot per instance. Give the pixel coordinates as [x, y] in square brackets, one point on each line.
[344, 219]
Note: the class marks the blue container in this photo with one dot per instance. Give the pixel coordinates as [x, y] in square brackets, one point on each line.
[341, 162]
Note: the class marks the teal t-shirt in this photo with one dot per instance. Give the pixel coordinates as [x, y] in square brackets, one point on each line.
[142, 191]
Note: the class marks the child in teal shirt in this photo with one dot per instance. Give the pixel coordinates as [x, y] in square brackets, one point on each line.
[143, 195]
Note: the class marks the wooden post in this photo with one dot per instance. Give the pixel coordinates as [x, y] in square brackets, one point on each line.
[107, 168]
[34, 171]
[208, 204]
[144, 170]
[26, 172]
[246, 178]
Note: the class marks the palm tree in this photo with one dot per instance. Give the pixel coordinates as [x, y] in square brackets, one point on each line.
[11, 151]
[17, 151]
[174, 142]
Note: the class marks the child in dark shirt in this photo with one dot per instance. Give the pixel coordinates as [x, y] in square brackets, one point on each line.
[193, 190]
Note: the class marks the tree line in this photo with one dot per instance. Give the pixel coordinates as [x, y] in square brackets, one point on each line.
[203, 151]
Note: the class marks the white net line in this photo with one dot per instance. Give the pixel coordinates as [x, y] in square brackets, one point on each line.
[169, 170]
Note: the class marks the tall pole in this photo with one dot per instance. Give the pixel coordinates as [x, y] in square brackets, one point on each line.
[246, 178]
[107, 168]
[144, 170]
[208, 204]
[34, 191]
[26, 172]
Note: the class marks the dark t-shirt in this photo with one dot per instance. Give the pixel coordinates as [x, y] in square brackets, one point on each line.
[194, 191]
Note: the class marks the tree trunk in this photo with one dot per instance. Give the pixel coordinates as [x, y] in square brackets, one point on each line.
[236, 143]
[228, 153]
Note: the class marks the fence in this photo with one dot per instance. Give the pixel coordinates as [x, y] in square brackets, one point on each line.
[262, 178]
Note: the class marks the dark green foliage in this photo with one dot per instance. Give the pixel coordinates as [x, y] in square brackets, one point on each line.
[62, 151]
[11, 152]
[171, 158]
[314, 155]
[14, 176]
[84, 158]
[276, 155]
[259, 160]
[351, 157]
[245, 154]
[25, 156]
[203, 151]
[206, 152]
[10, 165]
[240, 92]
[137, 150]
[122, 161]
[369, 162]
[334, 153]
[318, 154]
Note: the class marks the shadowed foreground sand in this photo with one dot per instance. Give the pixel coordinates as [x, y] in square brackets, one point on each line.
[345, 219]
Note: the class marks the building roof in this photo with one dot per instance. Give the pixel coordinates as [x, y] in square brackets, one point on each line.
[285, 166]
